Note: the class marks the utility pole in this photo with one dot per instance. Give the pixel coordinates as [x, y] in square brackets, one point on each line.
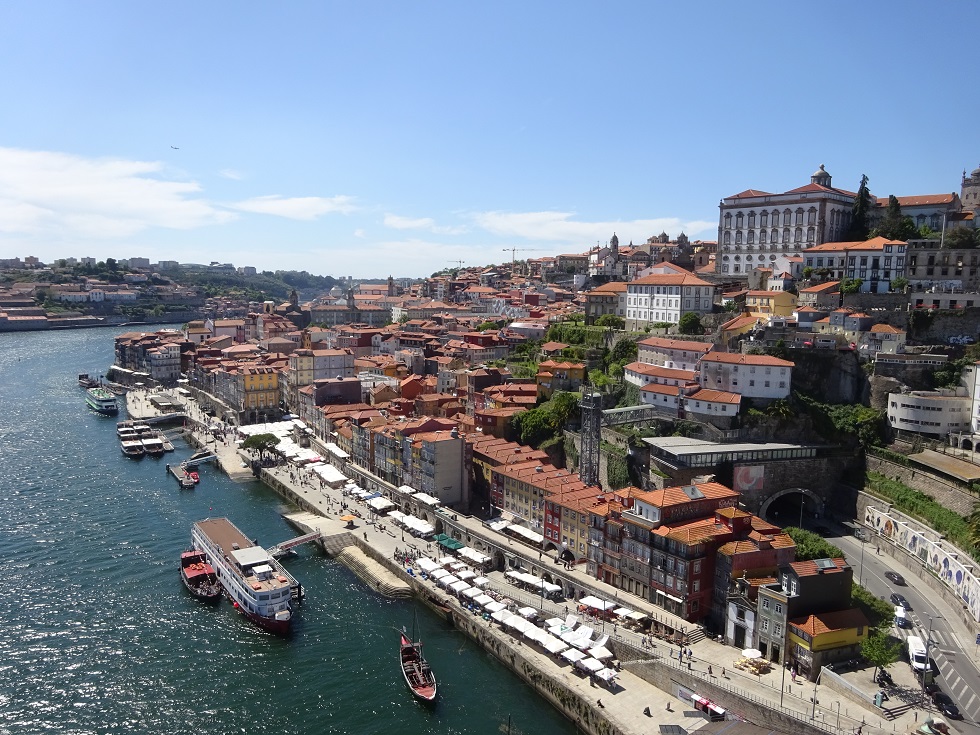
[928, 666]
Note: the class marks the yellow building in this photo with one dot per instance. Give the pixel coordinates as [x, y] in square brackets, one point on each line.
[260, 388]
[559, 376]
[824, 638]
[770, 303]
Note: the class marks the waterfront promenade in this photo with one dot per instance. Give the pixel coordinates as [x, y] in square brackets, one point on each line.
[625, 706]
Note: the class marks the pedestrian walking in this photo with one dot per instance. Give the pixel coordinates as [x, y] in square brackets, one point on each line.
[710, 673]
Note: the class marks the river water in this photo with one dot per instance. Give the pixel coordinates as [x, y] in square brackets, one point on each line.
[99, 635]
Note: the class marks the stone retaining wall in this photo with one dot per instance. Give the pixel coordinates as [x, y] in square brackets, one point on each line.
[944, 492]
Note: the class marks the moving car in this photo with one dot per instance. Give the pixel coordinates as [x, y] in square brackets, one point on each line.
[895, 577]
[900, 600]
[945, 705]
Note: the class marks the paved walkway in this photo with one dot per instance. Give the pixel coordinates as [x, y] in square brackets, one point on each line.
[625, 706]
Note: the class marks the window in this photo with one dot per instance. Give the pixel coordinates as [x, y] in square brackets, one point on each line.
[778, 629]
[765, 603]
[751, 219]
[764, 219]
[775, 219]
[778, 608]
[765, 625]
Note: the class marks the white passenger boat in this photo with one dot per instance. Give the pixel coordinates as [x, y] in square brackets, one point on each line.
[101, 401]
[256, 583]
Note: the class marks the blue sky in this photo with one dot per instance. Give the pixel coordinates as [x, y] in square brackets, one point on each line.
[377, 138]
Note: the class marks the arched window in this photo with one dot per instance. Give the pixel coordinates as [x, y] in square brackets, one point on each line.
[799, 215]
[728, 221]
[739, 219]
[762, 236]
[811, 234]
[811, 216]
[934, 222]
[798, 235]
[775, 219]
[774, 237]
[787, 217]
[750, 238]
[751, 219]
[764, 219]
[786, 235]
[738, 237]
[727, 238]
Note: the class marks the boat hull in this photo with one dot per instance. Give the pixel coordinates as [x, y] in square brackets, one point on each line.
[101, 401]
[254, 582]
[199, 577]
[418, 676]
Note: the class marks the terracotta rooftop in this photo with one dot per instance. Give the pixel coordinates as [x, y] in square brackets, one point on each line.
[815, 625]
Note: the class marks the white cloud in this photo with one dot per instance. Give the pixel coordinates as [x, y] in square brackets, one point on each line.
[359, 232]
[301, 208]
[560, 227]
[51, 193]
[421, 223]
[230, 173]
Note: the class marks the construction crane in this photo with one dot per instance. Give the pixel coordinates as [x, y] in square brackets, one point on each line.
[459, 263]
[513, 255]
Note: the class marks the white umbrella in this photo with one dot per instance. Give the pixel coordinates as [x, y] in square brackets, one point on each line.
[751, 653]
[572, 655]
[600, 653]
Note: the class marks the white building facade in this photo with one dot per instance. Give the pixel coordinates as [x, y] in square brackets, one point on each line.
[665, 297]
[751, 376]
[757, 228]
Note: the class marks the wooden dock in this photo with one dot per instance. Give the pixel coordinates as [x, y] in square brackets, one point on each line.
[183, 478]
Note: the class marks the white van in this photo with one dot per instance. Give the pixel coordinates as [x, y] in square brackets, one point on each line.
[917, 653]
[901, 619]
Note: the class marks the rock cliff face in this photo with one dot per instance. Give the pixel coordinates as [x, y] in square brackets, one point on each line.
[830, 376]
[881, 386]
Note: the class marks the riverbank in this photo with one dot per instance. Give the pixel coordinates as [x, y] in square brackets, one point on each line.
[651, 678]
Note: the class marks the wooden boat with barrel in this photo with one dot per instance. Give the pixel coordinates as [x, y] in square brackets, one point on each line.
[416, 670]
[199, 577]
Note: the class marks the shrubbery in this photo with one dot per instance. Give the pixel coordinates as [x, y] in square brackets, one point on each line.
[941, 519]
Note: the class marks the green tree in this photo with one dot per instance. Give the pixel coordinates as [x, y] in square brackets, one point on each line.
[690, 323]
[624, 350]
[900, 284]
[264, 443]
[850, 285]
[960, 238]
[810, 546]
[880, 649]
[610, 320]
[778, 350]
[860, 211]
[894, 226]
[807, 272]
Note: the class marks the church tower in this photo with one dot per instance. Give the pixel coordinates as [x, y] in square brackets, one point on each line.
[970, 191]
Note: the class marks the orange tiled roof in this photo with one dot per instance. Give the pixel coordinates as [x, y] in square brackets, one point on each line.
[815, 625]
[736, 358]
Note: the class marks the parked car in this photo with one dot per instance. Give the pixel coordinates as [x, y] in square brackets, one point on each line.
[945, 706]
[900, 600]
[895, 577]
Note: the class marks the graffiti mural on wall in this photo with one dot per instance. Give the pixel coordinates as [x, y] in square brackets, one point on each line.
[950, 565]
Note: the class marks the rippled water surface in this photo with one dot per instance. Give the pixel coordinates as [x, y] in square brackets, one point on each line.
[99, 636]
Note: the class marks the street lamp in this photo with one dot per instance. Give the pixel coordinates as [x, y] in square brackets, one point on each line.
[861, 571]
[929, 643]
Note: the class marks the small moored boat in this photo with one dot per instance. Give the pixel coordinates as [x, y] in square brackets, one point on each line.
[418, 675]
[199, 577]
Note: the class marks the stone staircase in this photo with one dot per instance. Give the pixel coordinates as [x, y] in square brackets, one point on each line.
[374, 574]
